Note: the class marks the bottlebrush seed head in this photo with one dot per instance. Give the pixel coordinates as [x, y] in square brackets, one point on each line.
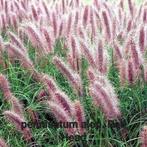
[1, 44]
[17, 121]
[130, 72]
[64, 101]
[16, 41]
[131, 8]
[49, 84]
[136, 55]
[86, 52]
[142, 39]
[118, 50]
[4, 86]
[72, 77]
[106, 24]
[49, 41]
[17, 107]
[143, 136]
[79, 116]
[101, 58]
[85, 15]
[54, 24]
[3, 143]
[36, 39]
[61, 115]
[108, 103]
[42, 95]
[122, 67]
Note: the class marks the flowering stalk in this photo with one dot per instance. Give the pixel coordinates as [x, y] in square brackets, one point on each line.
[79, 116]
[61, 115]
[73, 78]
[17, 121]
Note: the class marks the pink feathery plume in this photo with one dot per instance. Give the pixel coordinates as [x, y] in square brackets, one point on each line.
[114, 28]
[63, 100]
[122, 67]
[48, 38]
[15, 53]
[143, 137]
[76, 20]
[97, 4]
[131, 8]
[6, 7]
[17, 121]
[95, 75]
[130, 72]
[101, 59]
[61, 28]
[36, 39]
[69, 23]
[145, 15]
[14, 21]
[1, 44]
[49, 84]
[79, 116]
[3, 20]
[3, 143]
[46, 9]
[129, 25]
[4, 86]
[118, 53]
[135, 54]
[93, 23]
[142, 39]
[16, 41]
[72, 77]
[34, 13]
[86, 51]
[145, 72]
[16, 106]
[108, 103]
[106, 24]
[54, 24]
[91, 74]
[1, 53]
[63, 6]
[42, 95]
[61, 115]
[121, 4]
[85, 16]
[74, 54]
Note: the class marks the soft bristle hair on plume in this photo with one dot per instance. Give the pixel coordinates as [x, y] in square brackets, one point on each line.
[79, 116]
[16, 41]
[3, 143]
[61, 115]
[16, 106]
[49, 83]
[108, 103]
[101, 58]
[143, 137]
[87, 53]
[4, 86]
[17, 121]
[37, 41]
[72, 77]
[15, 53]
[64, 101]
[107, 25]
